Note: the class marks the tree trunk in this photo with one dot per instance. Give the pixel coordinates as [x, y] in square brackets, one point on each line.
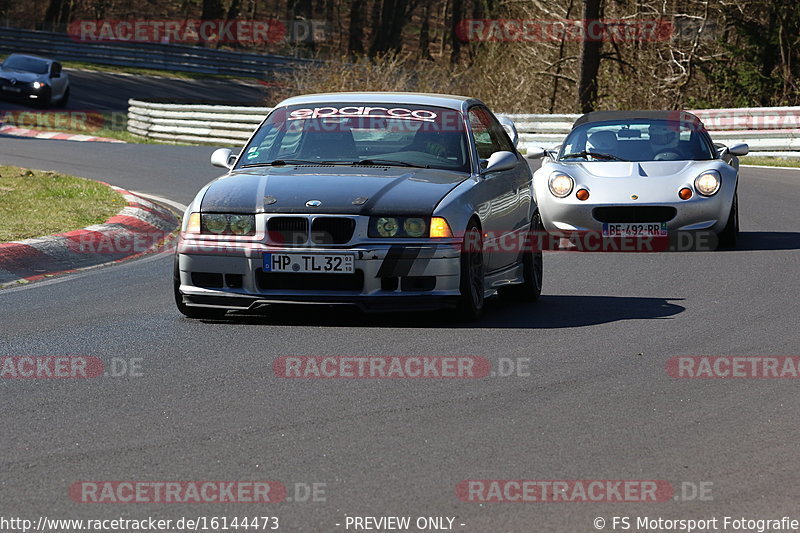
[457, 14]
[355, 43]
[425, 34]
[590, 57]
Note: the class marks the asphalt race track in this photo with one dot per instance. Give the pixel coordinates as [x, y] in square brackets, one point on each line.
[597, 403]
[106, 91]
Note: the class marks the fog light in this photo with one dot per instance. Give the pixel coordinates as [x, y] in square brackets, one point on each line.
[582, 195]
[685, 193]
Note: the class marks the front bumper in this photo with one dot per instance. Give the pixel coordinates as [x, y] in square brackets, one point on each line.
[231, 275]
[698, 213]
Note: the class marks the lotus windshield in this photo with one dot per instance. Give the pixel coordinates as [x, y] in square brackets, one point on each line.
[637, 140]
[353, 133]
[26, 64]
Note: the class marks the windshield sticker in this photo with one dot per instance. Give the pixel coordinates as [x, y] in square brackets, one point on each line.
[423, 115]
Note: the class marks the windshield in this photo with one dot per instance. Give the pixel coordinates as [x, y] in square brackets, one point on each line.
[26, 64]
[637, 140]
[385, 134]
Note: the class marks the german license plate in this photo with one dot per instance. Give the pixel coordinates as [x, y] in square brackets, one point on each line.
[638, 229]
[309, 263]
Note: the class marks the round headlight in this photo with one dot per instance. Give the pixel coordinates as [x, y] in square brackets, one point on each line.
[387, 227]
[415, 227]
[560, 184]
[216, 223]
[242, 224]
[38, 85]
[707, 183]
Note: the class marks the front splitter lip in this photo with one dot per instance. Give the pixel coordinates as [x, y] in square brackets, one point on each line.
[243, 302]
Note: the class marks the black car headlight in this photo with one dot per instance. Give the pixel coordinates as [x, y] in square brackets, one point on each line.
[227, 224]
[36, 85]
[403, 227]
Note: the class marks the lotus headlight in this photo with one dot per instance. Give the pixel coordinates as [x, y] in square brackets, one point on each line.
[387, 226]
[415, 227]
[708, 183]
[560, 184]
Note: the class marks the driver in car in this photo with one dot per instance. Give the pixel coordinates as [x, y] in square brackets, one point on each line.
[664, 142]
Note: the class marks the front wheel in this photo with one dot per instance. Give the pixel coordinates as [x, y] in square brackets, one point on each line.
[187, 310]
[64, 100]
[470, 302]
[727, 237]
[532, 268]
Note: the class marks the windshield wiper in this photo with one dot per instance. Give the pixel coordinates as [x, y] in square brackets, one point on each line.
[388, 162]
[586, 153]
[281, 162]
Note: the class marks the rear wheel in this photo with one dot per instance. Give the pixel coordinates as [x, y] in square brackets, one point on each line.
[470, 303]
[532, 268]
[189, 311]
[727, 237]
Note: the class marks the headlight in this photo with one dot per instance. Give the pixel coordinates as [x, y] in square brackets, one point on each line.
[400, 227]
[242, 224]
[215, 224]
[219, 224]
[38, 85]
[708, 183]
[415, 227]
[387, 226]
[560, 184]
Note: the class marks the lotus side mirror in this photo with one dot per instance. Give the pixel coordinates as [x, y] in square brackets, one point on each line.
[535, 152]
[739, 149]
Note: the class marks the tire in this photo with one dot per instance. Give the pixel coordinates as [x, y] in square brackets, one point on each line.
[727, 237]
[470, 302]
[532, 268]
[189, 311]
[64, 100]
[44, 102]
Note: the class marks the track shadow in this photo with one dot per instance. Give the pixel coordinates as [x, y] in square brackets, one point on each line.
[550, 312]
[767, 240]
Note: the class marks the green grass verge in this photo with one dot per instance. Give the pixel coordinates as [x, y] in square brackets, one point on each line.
[34, 203]
[770, 161]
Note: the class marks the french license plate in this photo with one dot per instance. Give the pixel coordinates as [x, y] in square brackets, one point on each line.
[639, 229]
[309, 263]
[12, 89]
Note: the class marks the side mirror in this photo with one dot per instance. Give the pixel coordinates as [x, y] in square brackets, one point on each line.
[55, 70]
[535, 152]
[510, 128]
[739, 149]
[223, 158]
[499, 161]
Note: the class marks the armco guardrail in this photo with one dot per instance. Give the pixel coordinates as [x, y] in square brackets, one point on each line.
[768, 131]
[214, 124]
[146, 55]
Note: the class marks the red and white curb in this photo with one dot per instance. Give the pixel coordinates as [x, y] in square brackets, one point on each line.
[142, 227]
[36, 134]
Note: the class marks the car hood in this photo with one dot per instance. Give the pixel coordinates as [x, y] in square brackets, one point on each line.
[20, 75]
[619, 182]
[340, 190]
